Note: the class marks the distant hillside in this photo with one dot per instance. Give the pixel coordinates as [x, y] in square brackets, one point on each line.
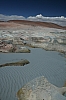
[36, 23]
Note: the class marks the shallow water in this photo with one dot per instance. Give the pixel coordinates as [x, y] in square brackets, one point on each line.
[47, 63]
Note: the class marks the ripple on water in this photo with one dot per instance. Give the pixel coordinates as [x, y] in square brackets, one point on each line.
[46, 63]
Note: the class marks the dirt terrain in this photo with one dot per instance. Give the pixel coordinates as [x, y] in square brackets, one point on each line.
[19, 23]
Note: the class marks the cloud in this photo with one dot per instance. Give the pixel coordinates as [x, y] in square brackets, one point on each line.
[12, 17]
[57, 20]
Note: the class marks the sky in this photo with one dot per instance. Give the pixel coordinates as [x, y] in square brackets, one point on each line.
[28, 8]
[53, 11]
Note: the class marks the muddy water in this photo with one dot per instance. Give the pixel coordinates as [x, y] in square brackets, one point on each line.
[47, 63]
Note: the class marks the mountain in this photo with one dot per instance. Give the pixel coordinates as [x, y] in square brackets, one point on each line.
[38, 23]
[14, 23]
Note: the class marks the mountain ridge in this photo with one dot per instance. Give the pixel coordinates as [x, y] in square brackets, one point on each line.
[38, 23]
[32, 23]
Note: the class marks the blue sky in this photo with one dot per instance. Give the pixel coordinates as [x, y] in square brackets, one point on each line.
[33, 7]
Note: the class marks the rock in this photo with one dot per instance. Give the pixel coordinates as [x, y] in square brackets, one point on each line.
[23, 50]
[40, 89]
[19, 63]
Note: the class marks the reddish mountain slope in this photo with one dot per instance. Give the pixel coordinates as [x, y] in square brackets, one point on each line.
[18, 23]
[33, 23]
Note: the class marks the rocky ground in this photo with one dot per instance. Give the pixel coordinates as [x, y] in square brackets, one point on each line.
[15, 37]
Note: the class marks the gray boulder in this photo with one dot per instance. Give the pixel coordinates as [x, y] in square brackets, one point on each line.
[41, 89]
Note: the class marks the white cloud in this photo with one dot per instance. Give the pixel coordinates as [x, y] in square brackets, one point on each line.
[12, 17]
[39, 16]
[57, 20]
